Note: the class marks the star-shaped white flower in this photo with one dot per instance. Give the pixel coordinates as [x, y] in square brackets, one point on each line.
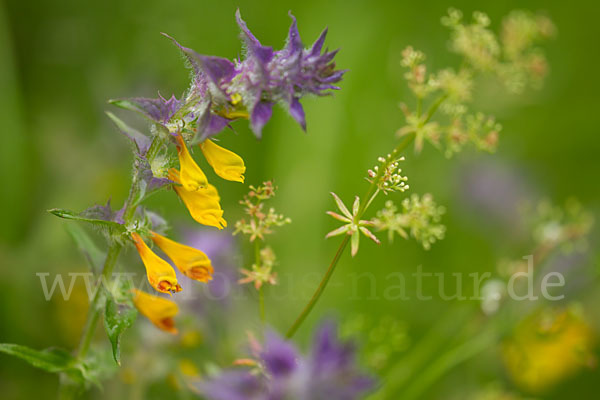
[354, 226]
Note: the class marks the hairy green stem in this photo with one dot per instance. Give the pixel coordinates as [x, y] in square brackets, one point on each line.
[109, 264]
[67, 391]
[94, 310]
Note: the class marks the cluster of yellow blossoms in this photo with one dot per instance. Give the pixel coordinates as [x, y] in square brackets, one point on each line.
[203, 202]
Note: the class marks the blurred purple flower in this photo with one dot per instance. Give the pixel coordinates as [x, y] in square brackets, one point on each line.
[496, 193]
[330, 373]
[234, 385]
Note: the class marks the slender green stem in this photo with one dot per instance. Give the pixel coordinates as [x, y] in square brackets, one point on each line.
[308, 308]
[369, 196]
[373, 189]
[436, 104]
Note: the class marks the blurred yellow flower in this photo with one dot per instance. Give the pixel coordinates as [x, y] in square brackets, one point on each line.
[188, 368]
[548, 347]
[203, 204]
[192, 177]
[226, 163]
[160, 274]
[158, 310]
[192, 262]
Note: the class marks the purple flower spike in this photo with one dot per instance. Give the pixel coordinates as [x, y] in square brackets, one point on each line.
[282, 76]
[329, 373]
[224, 91]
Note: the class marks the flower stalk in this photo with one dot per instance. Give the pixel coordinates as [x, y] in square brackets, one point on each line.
[371, 193]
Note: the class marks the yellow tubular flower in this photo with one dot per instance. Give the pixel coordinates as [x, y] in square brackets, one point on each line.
[203, 205]
[192, 262]
[158, 310]
[160, 274]
[226, 163]
[192, 177]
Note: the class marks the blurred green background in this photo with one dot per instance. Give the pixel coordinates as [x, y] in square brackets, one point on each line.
[61, 60]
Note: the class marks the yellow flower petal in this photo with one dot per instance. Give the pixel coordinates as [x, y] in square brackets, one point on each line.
[203, 204]
[192, 262]
[160, 274]
[192, 177]
[226, 163]
[158, 310]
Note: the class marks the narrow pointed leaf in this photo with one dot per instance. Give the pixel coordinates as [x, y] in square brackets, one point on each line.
[66, 214]
[50, 360]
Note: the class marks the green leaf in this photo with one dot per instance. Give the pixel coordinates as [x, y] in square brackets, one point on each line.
[66, 214]
[94, 256]
[51, 360]
[117, 318]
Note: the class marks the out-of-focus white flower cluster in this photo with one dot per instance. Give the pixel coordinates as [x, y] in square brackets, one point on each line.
[510, 57]
[564, 227]
[419, 217]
